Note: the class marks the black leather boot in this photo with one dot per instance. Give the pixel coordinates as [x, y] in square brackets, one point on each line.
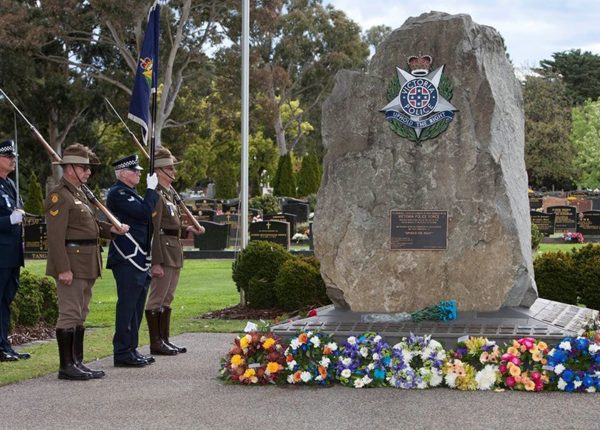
[165, 327]
[78, 354]
[68, 369]
[157, 346]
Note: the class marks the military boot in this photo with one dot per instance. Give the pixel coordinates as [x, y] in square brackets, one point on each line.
[157, 346]
[78, 353]
[68, 369]
[165, 327]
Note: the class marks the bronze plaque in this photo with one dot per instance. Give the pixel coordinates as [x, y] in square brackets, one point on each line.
[412, 230]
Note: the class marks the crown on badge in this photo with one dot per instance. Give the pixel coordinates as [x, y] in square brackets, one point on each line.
[419, 65]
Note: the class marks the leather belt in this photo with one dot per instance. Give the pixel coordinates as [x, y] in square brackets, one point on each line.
[168, 232]
[81, 242]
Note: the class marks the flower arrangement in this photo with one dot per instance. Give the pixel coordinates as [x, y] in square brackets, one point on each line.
[311, 359]
[521, 366]
[573, 237]
[254, 358]
[416, 363]
[575, 365]
[363, 361]
[473, 365]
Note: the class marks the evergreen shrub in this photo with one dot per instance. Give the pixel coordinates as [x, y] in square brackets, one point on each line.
[299, 285]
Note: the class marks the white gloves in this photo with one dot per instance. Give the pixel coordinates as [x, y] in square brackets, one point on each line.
[16, 217]
[151, 181]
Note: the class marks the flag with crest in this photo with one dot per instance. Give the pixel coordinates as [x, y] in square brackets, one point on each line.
[146, 76]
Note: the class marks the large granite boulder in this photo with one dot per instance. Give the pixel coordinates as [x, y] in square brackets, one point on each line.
[475, 171]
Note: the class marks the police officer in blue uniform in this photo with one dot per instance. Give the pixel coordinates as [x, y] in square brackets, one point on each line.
[11, 246]
[129, 257]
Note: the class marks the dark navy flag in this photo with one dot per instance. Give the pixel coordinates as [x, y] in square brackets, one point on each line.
[146, 76]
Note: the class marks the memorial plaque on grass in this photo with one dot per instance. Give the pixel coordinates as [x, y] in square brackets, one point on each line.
[271, 231]
[300, 209]
[35, 237]
[536, 202]
[418, 229]
[290, 218]
[565, 218]
[214, 238]
[544, 222]
[589, 223]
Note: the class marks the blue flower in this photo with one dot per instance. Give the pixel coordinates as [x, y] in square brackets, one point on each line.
[583, 344]
[567, 375]
[588, 381]
[379, 374]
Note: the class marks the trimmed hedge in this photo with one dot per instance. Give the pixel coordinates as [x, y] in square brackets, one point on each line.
[299, 285]
[35, 301]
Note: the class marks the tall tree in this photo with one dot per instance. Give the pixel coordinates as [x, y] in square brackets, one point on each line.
[586, 139]
[375, 35]
[579, 70]
[549, 153]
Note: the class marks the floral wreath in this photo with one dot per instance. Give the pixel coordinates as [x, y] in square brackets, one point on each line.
[575, 365]
[473, 365]
[309, 359]
[416, 363]
[521, 366]
[254, 358]
[363, 361]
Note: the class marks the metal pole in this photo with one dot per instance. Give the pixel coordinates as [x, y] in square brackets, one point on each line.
[17, 165]
[244, 115]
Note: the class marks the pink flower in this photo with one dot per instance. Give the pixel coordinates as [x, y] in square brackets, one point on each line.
[527, 341]
[506, 357]
[536, 376]
[539, 385]
[510, 382]
[312, 313]
[503, 368]
[516, 361]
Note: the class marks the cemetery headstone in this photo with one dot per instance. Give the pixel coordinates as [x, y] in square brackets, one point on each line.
[595, 203]
[290, 218]
[589, 224]
[389, 150]
[231, 206]
[300, 209]
[271, 231]
[233, 221]
[214, 238]
[207, 214]
[543, 221]
[565, 218]
[202, 204]
[535, 202]
[35, 237]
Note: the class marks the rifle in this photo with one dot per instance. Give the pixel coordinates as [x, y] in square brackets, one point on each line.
[56, 158]
[176, 195]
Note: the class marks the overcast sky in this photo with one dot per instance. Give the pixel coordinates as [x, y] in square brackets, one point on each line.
[532, 29]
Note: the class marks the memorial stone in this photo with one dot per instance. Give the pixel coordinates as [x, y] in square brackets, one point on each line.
[595, 203]
[207, 214]
[300, 209]
[565, 218]
[589, 224]
[231, 206]
[35, 237]
[289, 218]
[535, 202]
[202, 204]
[214, 238]
[473, 172]
[271, 231]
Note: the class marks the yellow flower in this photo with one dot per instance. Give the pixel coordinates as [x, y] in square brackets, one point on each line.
[272, 367]
[236, 361]
[536, 355]
[514, 351]
[542, 346]
[514, 370]
[529, 385]
[244, 341]
[268, 343]
[249, 373]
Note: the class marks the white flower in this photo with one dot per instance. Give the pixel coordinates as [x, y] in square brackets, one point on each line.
[364, 351]
[422, 385]
[291, 365]
[594, 348]
[565, 345]
[305, 376]
[376, 356]
[347, 361]
[591, 389]
[351, 340]
[559, 368]
[332, 346]
[561, 384]
[366, 380]
[436, 379]
[319, 378]
[346, 373]
[377, 339]
[309, 334]
[290, 379]
[325, 362]
[294, 344]
[451, 379]
[371, 366]
[577, 384]
[315, 341]
[486, 377]
[359, 383]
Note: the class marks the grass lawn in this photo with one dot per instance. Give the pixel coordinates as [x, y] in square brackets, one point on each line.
[204, 285]
[553, 247]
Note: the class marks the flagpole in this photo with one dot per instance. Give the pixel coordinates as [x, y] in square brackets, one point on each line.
[17, 165]
[154, 95]
[244, 116]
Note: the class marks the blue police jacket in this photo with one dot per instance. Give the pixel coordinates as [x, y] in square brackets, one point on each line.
[11, 236]
[130, 208]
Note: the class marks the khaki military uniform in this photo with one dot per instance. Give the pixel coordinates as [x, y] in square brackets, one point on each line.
[73, 245]
[166, 249]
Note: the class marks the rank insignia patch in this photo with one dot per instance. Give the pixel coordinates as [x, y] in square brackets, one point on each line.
[54, 198]
[54, 212]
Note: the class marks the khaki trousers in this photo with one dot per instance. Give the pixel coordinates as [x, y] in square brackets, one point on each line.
[73, 302]
[162, 290]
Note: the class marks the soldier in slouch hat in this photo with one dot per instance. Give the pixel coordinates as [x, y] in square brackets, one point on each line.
[74, 257]
[11, 246]
[167, 256]
[129, 257]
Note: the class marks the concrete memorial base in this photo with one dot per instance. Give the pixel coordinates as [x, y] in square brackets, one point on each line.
[545, 320]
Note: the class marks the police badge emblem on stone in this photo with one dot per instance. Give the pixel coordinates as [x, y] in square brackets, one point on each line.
[418, 107]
